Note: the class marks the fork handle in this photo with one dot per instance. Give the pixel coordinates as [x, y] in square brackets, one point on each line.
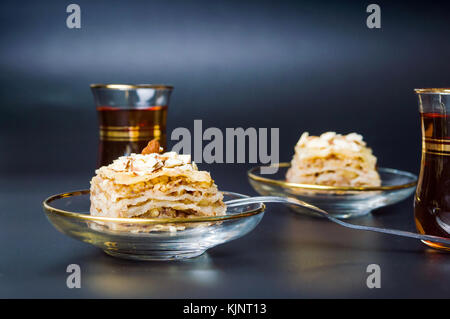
[296, 202]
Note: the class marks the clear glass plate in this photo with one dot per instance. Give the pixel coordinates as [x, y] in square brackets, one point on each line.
[150, 238]
[341, 202]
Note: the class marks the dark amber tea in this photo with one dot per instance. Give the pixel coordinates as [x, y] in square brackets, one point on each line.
[432, 201]
[129, 116]
[128, 130]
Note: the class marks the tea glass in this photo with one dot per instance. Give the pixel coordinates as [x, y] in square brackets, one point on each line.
[432, 200]
[129, 116]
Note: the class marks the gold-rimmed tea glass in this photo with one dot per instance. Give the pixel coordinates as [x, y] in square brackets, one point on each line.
[432, 200]
[129, 116]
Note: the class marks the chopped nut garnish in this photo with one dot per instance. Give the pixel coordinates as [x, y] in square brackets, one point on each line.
[152, 147]
[154, 212]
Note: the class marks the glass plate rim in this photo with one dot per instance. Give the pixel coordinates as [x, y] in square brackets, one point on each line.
[432, 91]
[53, 210]
[253, 176]
[117, 86]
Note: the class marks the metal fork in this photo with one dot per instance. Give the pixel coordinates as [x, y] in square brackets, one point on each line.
[294, 201]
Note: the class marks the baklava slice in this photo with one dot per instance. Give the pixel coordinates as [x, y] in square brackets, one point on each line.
[153, 185]
[333, 159]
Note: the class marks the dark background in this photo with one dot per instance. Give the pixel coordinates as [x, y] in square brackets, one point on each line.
[300, 66]
[297, 65]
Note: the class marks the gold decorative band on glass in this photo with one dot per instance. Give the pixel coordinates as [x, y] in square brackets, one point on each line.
[436, 146]
[129, 133]
[433, 91]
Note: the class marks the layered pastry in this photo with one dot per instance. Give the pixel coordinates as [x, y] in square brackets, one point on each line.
[333, 159]
[154, 185]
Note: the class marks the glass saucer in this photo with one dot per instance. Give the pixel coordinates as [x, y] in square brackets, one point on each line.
[340, 202]
[150, 238]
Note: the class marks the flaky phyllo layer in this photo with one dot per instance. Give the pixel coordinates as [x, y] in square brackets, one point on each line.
[154, 185]
[333, 159]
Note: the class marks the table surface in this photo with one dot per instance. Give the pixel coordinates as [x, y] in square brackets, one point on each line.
[287, 256]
